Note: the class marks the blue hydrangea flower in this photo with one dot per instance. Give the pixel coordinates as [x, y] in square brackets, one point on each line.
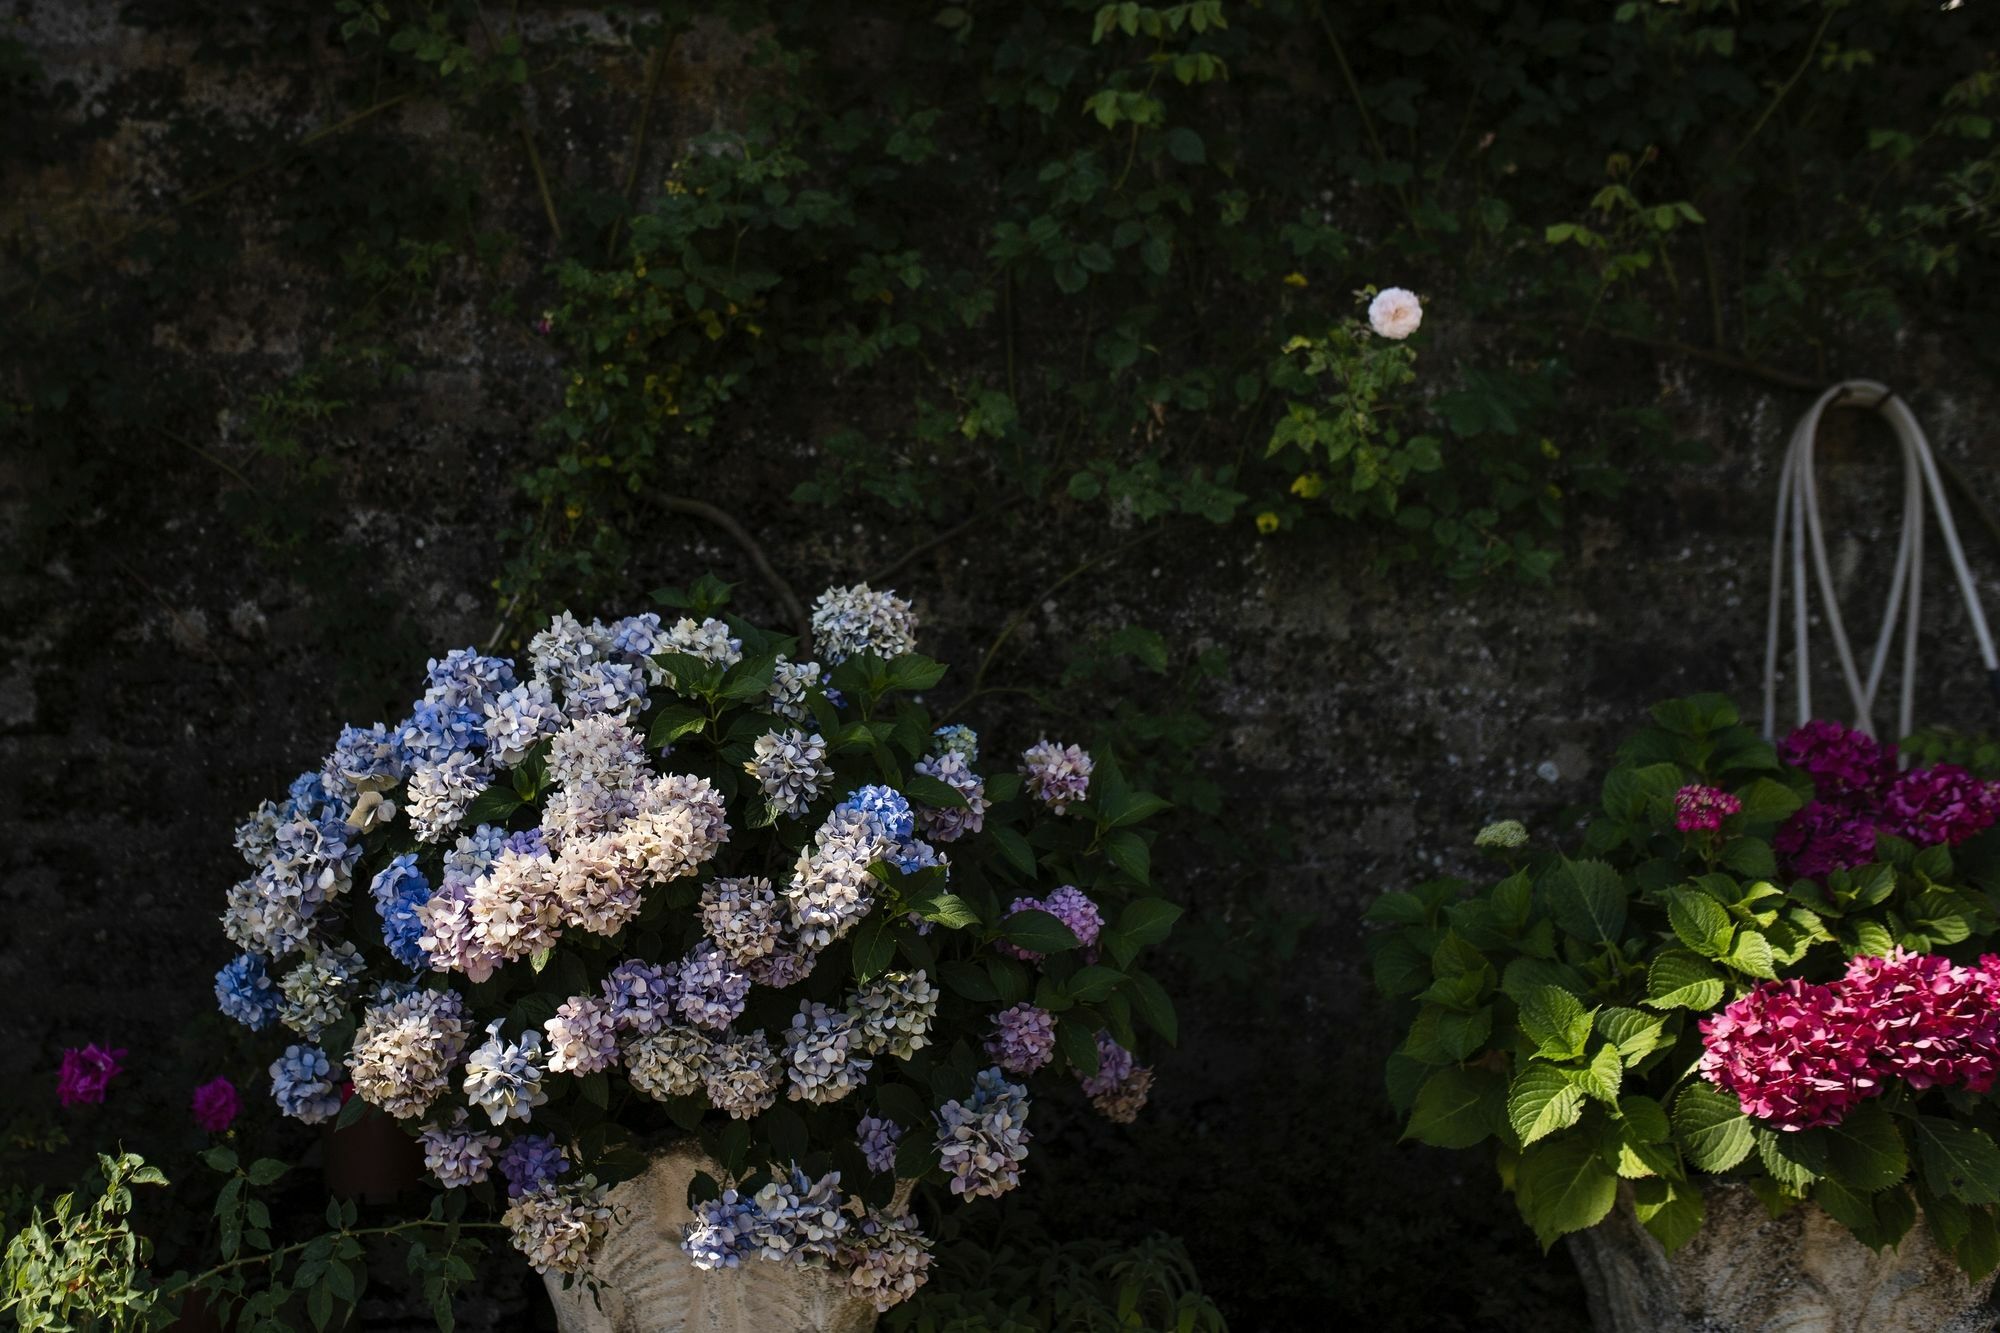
[721, 1234]
[302, 1082]
[885, 808]
[399, 890]
[878, 1139]
[244, 992]
[983, 1140]
[530, 1161]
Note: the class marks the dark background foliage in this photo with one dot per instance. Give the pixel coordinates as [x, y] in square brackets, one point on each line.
[340, 333]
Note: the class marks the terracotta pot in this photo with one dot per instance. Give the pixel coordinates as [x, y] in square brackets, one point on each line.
[1746, 1272]
[648, 1285]
[372, 1159]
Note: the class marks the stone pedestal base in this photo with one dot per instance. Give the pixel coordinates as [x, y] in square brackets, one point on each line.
[647, 1285]
[1745, 1272]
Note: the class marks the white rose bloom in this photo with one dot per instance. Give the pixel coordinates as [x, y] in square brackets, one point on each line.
[1395, 313]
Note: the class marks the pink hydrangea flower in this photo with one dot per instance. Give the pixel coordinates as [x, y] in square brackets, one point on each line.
[87, 1073]
[1699, 809]
[1795, 1054]
[1944, 804]
[1840, 760]
[1936, 1024]
[216, 1105]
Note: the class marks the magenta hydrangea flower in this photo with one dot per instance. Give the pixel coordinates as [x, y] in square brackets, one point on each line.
[1937, 805]
[1840, 760]
[1795, 1054]
[1824, 837]
[86, 1073]
[1699, 809]
[216, 1105]
[1936, 1024]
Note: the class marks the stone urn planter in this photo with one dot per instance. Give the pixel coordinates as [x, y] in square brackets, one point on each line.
[647, 1285]
[1746, 1272]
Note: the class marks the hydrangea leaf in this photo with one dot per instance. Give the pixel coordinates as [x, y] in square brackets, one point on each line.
[1457, 1107]
[1671, 1211]
[1587, 899]
[1701, 922]
[926, 790]
[1541, 1101]
[1768, 801]
[672, 722]
[1979, 1253]
[1865, 1151]
[1711, 1127]
[1682, 980]
[1752, 954]
[1555, 1021]
[1751, 858]
[1795, 1160]
[1602, 1076]
[1129, 852]
[1564, 1185]
[1151, 1003]
[1439, 1036]
[1958, 1159]
[1633, 1033]
[1038, 931]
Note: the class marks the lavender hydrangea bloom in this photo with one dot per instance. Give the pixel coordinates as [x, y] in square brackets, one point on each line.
[440, 793]
[742, 1076]
[787, 965]
[668, 1062]
[983, 1140]
[558, 1227]
[243, 991]
[363, 759]
[878, 1139]
[848, 621]
[820, 1062]
[799, 1218]
[582, 1039]
[405, 1048]
[641, 996]
[741, 915]
[519, 719]
[1057, 775]
[503, 1078]
[949, 823]
[302, 1083]
[892, 1014]
[790, 768]
[531, 1162]
[790, 682]
[720, 1236]
[1071, 906]
[399, 890]
[475, 850]
[712, 988]
[887, 1257]
[457, 1153]
[1024, 1038]
[1114, 1066]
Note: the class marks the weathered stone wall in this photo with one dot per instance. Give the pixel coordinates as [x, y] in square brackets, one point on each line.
[161, 672]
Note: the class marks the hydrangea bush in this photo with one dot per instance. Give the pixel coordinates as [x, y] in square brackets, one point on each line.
[1765, 963]
[667, 876]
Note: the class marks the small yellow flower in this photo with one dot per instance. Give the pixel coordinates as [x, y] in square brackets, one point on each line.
[1296, 280]
[1308, 485]
[1267, 522]
[1550, 451]
[573, 510]
[1555, 491]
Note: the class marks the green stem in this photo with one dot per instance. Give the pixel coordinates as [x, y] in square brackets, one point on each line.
[1785, 88]
[1361, 105]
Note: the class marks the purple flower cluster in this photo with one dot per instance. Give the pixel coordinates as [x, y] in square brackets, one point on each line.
[531, 1162]
[983, 1140]
[1699, 809]
[1861, 795]
[1069, 905]
[1024, 1038]
[1056, 775]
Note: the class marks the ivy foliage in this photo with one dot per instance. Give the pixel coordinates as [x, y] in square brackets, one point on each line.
[1555, 1012]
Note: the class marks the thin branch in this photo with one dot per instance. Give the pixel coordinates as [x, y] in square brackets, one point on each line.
[794, 608]
[950, 534]
[653, 69]
[1785, 88]
[1361, 105]
[541, 178]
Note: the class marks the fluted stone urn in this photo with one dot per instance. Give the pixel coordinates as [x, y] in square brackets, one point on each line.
[1746, 1272]
[645, 1284]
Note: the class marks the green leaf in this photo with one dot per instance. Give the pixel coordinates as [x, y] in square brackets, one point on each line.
[1711, 1127]
[673, 721]
[1633, 1033]
[1681, 980]
[929, 791]
[1601, 1077]
[969, 980]
[1587, 900]
[1078, 1043]
[1151, 1003]
[1752, 954]
[1562, 1186]
[1555, 1021]
[875, 947]
[950, 911]
[1148, 920]
[1014, 847]
[1457, 1107]
[1541, 1101]
[493, 805]
[1958, 1159]
[1768, 801]
[1700, 921]
[1094, 983]
[1674, 1216]
[1129, 852]
[1038, 932]
[267, 1169]
[1794, 1159]
[1865, 1150]
[1751, 858]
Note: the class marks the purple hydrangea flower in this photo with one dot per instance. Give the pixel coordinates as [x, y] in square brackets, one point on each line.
[530, 1162]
